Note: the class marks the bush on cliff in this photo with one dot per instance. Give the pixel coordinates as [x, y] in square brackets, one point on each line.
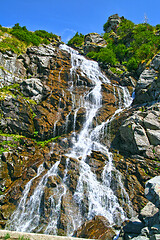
[77, 40]
[105, 55]
[132, 44]
[19, 38]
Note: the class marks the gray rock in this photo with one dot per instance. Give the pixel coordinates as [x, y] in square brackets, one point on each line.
[93, 42]
[141, 138]
[154, 137]
[133, 135]
[43, 50]
[148, 86]
[152, 121]
[152, 191]
[156, 62]
[11, 69]
[146, 78]
[94, 38]
[34, 89]
[140, 238]
[149, 214]
[38, 60]
[113, 22]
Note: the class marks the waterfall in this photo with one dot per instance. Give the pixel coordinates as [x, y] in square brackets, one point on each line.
[99, 195]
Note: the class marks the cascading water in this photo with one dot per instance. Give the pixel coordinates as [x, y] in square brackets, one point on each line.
[101, 198]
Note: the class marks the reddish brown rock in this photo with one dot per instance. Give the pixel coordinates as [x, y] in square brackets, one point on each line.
[97, 228]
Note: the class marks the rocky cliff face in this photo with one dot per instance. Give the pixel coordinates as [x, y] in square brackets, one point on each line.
[46, 97]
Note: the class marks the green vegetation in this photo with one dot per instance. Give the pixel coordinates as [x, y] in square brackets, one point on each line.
[129, 44]
[7, 236]
[77, 40]
[6, 90]
[35, 134]
[19, 38]
[12, 44]
[116, 71]
[105, 55]
[3, 149]
[134, 44]
[44, 143]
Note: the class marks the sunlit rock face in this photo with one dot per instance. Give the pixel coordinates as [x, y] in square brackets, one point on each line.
[59, 171]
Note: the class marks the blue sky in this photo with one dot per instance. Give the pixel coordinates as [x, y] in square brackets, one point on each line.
[66, 17]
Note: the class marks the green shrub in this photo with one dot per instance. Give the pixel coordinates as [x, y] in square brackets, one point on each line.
[125, 27]
[105, 55]
[26, 36]
[33, 38]
[77, 40]
[132, 64]
[106, 26]
[120, 51]
[46, 35]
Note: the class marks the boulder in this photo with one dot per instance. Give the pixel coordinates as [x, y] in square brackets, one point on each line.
[133, 135]
[97, 228]
[146, 78]
[154, 137]
[149, 214]
[152, 191]
[112, 23]
[152, 121]
[93, 42]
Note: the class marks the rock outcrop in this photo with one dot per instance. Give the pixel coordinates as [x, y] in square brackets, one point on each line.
[93, 42]
[112, 23]
[147, 225]
[139, 134]
[147, 89]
